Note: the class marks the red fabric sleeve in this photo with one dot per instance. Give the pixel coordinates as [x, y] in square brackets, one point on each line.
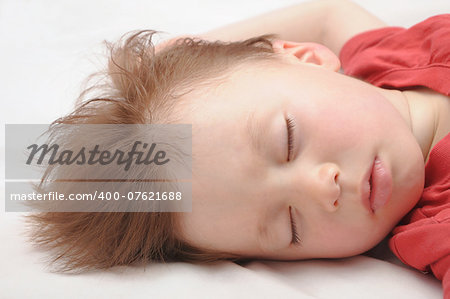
[425, 245]
[423, 242]
[394, 57]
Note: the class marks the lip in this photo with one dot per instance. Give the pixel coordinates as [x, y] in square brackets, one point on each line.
[376, 187]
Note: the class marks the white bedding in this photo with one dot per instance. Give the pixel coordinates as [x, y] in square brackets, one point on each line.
[49, 47]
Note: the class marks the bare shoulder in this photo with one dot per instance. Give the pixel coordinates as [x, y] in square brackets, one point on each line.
[346, 19]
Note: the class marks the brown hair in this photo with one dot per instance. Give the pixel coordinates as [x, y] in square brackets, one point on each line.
[141, 87]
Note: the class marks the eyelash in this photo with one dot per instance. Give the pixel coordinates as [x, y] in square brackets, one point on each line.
[295, 237]
[290, 128]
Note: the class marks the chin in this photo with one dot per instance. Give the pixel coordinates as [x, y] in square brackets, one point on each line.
[409, 199]
[377, 234]
[407, 192]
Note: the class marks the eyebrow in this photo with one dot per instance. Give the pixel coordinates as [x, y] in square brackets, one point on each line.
[254, 129]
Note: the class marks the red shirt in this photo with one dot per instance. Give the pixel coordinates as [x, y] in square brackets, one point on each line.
[394, 57]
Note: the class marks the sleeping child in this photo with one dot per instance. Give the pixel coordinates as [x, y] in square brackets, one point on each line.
[317, 131]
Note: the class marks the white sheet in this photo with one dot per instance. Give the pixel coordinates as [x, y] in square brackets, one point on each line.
[49, 47]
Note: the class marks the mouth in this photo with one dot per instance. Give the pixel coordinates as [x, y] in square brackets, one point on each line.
[376, 189]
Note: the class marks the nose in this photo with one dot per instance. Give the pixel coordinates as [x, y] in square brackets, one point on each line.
[325, 188]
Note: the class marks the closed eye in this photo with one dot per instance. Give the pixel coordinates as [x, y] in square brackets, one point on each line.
[295, 237]
[290, 142]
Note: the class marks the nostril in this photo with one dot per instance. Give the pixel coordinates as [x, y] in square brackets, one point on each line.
[336, 203]
[336, 177]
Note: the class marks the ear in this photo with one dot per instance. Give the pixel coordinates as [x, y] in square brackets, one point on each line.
[313, 53]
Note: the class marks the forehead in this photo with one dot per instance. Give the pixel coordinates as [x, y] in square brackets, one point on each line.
[234, 111]
[226, 116]
[223, 119]
[225, 164]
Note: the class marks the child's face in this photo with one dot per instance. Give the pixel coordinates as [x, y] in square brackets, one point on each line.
[242, 195]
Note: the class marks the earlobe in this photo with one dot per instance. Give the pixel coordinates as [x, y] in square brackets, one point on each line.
[312, 53]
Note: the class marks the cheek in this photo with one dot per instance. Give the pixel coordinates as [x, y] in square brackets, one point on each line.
[340, 126]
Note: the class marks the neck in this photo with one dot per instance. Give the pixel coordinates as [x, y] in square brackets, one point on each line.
[420, 110]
